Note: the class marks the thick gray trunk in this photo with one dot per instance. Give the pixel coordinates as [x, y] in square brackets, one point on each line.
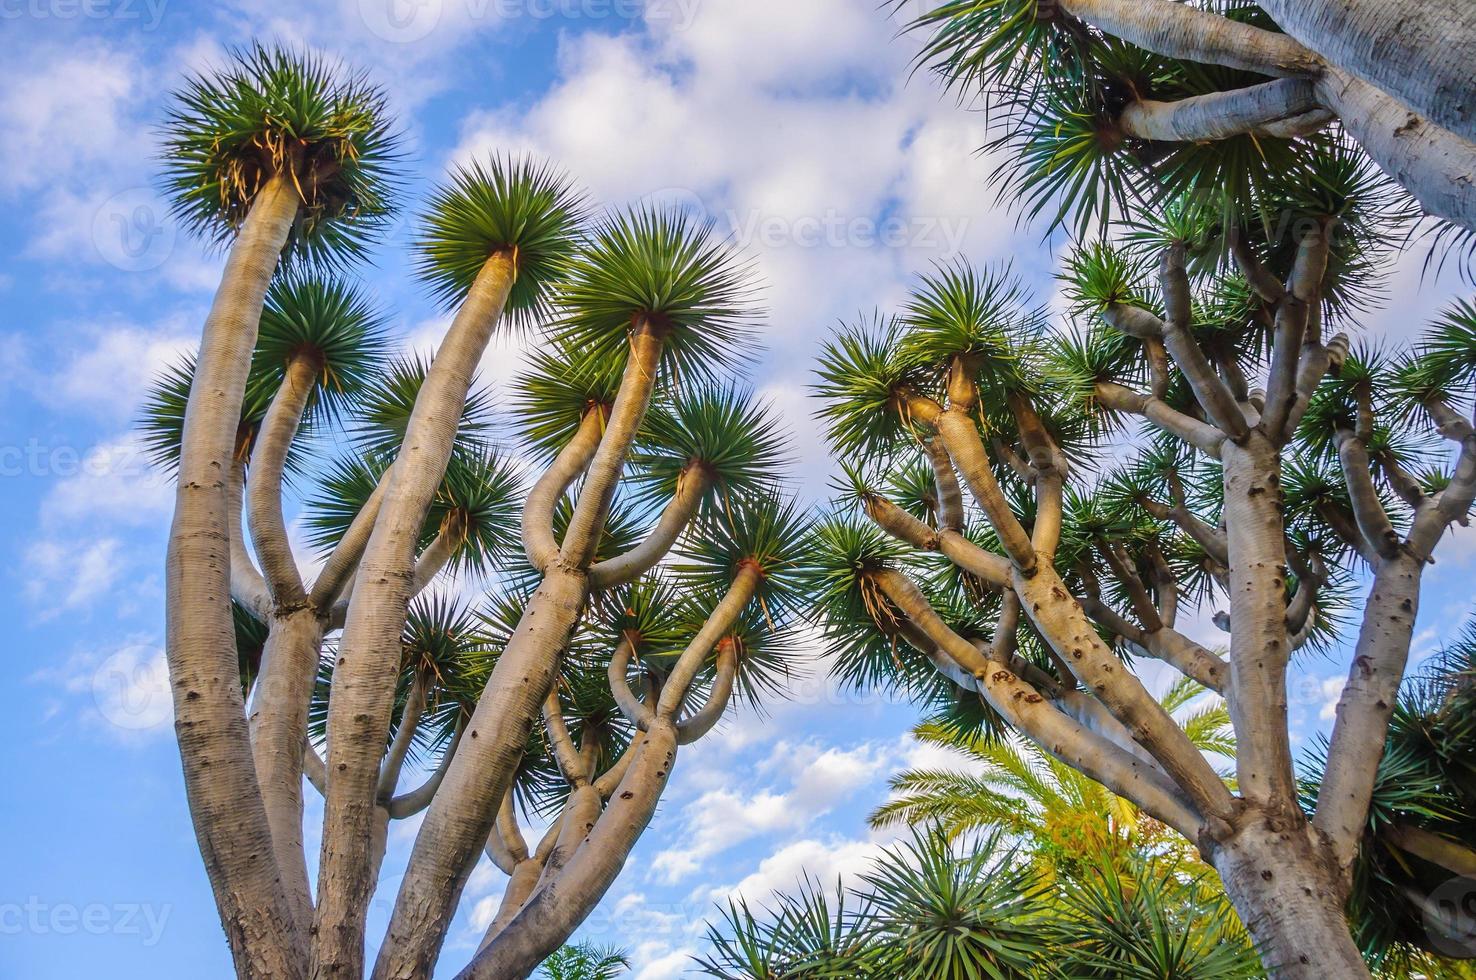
[362, 697]
[209, 716]
[1436, 166]
[1281, 879]
[1419, 51]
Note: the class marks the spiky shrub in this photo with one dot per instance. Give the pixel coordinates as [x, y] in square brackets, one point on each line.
[1027, 511]
[928, 907]
[661, 534]
[1100, 109]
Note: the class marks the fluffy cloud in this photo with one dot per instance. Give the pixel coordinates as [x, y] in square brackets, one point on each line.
[814, 779]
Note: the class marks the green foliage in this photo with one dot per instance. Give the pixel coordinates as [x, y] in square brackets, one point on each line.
[740, 445]
[562, 384]
[518, 207]
[383, 413]
[328, 320]
[273, 112]
[660, 266]
[584, 961]
[1425, 783]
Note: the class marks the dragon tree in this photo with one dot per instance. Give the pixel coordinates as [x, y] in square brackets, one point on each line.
[1040, 515]
[488, 615]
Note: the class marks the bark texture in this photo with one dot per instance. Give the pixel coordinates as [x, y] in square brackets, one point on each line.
[462, 813]
[209, 716]
[362, 696]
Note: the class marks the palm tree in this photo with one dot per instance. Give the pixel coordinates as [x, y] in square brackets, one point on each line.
[928, 908]
[584, 962]
[1103, 104]
[1069, 564]
[653, 584]
[1066, 821]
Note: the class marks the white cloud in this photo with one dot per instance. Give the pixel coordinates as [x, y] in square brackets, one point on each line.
[105, 369]
[113, 482]
[818, 779]
[123, 692]
[62, 109]
[68, 575]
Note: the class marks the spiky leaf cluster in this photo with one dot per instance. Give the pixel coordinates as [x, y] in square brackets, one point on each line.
[274, 112]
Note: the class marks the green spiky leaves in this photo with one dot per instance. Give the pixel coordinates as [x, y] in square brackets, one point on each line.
[329, 322]
[662, 267]
[277, 112]
[521, 208]
[383, 413]
[738, 445]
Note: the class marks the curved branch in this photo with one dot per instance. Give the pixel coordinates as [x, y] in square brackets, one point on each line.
[394, 759]
[1030, 713]
[636, 385]
[961, 437]
[264, 484]
[566, 754]
[701, 721]
[692, 484]
[636, 711]
[950, 496]
[746, 580]
[539, 542]
[1201, 435]
[339, 568]
[247, 586]
[1220, 115]
[417, 799]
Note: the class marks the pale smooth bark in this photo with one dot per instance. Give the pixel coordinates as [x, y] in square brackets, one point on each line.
[678, 513]
[1280, 879]
[1124, 772]
[557, 908]
[247, 586]
[1367, 702]
[1220, 115]
[209, 717]
[264, 483]
[461, 816]
[1419, 51]
[1259, 646]
[362, 695]
[278, 720]
[1181, 31]
[1436, 166]
[539, 542]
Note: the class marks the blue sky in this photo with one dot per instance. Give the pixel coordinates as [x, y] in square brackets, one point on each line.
[791, 122]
